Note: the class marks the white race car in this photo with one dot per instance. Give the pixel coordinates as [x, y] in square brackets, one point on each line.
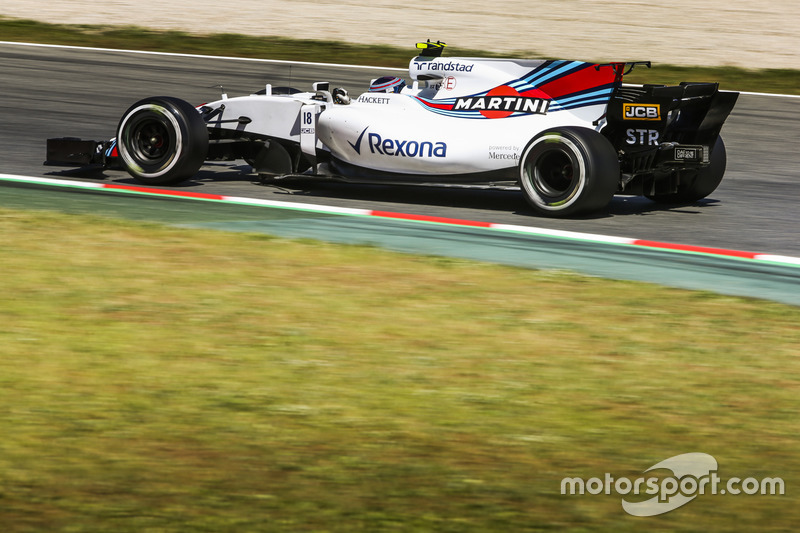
[570, 134]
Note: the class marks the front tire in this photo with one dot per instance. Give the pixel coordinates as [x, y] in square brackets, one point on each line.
[568, 171]
[697, 184]
[162, 140]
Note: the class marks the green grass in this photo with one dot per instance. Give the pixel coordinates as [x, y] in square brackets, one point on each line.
[130, 37]
[162, 379]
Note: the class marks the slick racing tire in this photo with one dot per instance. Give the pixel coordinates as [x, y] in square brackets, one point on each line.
[697, 184]
[568, 171]
[162, 140]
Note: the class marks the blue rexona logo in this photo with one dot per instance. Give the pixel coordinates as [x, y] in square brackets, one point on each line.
[357, 145]
[399, 147]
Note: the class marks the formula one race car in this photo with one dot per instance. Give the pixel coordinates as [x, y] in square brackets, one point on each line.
[568, 133]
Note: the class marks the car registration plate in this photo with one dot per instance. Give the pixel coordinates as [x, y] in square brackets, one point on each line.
[688, 154]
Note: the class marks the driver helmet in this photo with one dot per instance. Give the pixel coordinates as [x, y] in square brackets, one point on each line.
[387, 84]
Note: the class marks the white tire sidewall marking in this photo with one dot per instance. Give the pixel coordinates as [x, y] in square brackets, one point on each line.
[178, 140]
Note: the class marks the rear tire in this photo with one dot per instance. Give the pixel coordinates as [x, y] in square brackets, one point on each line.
[162, 140]
[697, 184]
[568, 171]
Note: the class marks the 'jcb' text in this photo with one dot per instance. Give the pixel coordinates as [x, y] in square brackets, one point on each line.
[641, 112]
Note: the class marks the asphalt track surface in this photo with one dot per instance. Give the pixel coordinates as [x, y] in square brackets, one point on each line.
[53, 92]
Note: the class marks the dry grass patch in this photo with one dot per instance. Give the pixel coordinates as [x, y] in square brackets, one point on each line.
[169, 379]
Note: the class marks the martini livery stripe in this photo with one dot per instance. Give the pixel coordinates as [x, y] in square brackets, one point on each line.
[553, 86]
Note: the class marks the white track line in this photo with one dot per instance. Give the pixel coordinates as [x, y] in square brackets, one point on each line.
[273, 61]
[197, 56]
[337, 210]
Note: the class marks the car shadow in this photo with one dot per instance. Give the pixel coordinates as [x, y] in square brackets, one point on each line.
[217, 174]
[503, 200]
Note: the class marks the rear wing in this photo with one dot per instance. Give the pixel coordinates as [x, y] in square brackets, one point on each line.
[644, 120]
[686, 113]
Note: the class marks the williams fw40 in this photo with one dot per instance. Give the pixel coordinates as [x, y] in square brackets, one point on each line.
[569, 134]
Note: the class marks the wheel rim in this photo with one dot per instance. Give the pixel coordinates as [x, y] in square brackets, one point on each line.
[553, 173]
[149, 141]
